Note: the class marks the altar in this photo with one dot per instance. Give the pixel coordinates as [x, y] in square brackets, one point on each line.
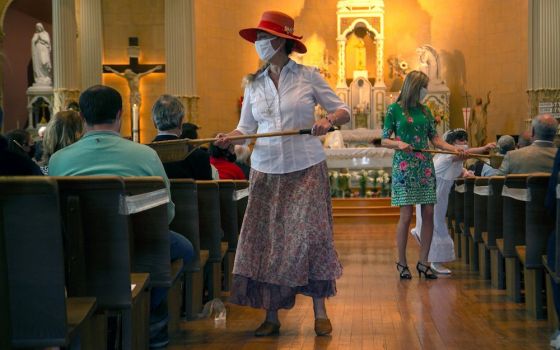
[358, 165]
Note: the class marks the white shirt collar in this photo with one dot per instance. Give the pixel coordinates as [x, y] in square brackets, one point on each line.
[291, 65]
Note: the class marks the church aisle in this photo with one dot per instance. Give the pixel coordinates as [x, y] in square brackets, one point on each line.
[375, 310]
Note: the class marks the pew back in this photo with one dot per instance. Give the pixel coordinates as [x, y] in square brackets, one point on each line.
[185, 197]
[514, 196]
[228, 213]
[209, 219]
[98, 247]
[481, 192]
[150, 229]
[538, 222]
[468, 216]
[33, 256]
[459, 203]
[494, 222]
[241, 201]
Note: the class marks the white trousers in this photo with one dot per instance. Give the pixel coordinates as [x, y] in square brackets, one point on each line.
[441, 249]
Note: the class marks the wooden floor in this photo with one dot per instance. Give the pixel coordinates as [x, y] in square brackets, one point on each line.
[375, 310]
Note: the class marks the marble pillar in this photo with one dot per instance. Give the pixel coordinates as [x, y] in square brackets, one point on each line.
[544, 52]
[91, 43]
[180, 80]
[65, 52]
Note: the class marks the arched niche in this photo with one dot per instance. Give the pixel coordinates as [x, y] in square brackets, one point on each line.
[18, 21]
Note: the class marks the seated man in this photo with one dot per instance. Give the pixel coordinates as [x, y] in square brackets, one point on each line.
[167, 115]
[539, 156]
[102, 151]
[505, 144]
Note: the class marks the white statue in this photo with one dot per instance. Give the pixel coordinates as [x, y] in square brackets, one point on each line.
[41, 56]
[429, 62]
[133, 80]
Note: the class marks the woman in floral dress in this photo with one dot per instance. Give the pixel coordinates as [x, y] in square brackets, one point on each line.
[413, 172]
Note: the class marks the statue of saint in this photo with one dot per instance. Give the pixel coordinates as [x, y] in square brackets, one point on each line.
[428, 59]
[41, 56]
[133, 80]
[360, 50]
[478, 121]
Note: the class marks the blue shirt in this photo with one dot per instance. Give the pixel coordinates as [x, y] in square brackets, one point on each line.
[107, 153]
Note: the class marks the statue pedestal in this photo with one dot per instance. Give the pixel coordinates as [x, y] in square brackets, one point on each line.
[38, 94]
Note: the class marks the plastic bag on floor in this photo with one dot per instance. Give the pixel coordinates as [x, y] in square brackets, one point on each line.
[217, 308]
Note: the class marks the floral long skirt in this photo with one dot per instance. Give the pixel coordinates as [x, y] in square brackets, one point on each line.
[286, 242]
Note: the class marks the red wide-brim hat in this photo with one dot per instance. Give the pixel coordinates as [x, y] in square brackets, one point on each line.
[278, 24]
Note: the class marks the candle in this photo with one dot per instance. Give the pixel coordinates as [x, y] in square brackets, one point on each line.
[135, 120]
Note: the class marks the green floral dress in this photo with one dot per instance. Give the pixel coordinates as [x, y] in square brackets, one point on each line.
[413, 174]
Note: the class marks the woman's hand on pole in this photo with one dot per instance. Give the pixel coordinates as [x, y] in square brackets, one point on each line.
[222, 141]
[321, 127]
[403, 146]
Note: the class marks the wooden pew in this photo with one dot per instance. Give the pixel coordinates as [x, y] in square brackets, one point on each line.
[494, 224]
[469, 238]
[481, 192]
[98, 254]
[242, 188]
[538, 226]
[459, 202]
[35, 311]
[514, 194]
[211, 234]
[228, 217]
[185, 196]
[150, 241]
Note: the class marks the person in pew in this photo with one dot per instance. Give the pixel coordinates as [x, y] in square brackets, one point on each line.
[168, 114]
[505, 144]
[224, 161]
[414, 181]
[102, 151]
[286, 241]
[21, 142]
[15, 164]
[65, 128]
[448, 168]
[539, 156]
[524, 139]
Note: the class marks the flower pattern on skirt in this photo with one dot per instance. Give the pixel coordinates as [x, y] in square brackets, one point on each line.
[286, 245]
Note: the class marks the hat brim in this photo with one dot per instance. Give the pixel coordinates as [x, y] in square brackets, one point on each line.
[250, 34]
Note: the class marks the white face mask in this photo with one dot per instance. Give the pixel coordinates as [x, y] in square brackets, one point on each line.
[462, 146]
[423, 94]
[265, 50]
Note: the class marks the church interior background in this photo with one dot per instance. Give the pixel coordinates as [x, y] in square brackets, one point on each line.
[362, 47]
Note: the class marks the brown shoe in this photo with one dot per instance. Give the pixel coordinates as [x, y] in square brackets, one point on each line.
[323, 326]
[267, 329]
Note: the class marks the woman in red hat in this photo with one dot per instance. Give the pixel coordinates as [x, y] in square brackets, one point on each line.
[286, 245]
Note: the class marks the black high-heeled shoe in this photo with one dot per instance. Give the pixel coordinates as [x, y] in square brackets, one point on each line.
[426, 270]
[404, 272]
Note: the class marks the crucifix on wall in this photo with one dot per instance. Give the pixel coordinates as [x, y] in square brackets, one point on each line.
[133, 72]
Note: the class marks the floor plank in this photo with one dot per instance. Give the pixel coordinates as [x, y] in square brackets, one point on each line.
[375, 310]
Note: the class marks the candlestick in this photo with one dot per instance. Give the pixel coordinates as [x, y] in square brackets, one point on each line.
[135, 121]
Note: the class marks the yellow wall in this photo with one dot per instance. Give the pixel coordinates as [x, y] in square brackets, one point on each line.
[482, 43]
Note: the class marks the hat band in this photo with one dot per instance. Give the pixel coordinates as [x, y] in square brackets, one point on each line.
[279, 28]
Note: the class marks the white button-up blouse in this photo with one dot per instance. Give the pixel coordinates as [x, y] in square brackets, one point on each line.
[291, 107]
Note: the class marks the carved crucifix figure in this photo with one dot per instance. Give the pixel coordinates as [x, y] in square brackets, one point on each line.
[134, 71]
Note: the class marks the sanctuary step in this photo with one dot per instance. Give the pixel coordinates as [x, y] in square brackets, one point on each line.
[364, 211]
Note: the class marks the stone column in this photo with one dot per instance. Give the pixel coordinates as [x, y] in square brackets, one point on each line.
[379, 63]
[544, 51]
[65, 52]
[91, 43]
[180, 68]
